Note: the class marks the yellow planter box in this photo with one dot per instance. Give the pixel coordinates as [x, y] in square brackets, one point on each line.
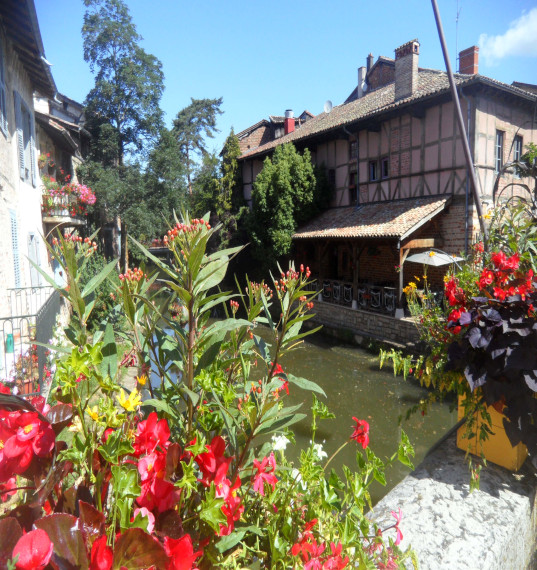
[497, 447]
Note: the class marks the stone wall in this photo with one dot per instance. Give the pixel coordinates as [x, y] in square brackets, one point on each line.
[359, 326]
[493, 528]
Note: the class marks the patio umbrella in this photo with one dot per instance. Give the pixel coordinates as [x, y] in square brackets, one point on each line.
[433, 258]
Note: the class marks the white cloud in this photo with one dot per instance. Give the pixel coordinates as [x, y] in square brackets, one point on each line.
[519, 40]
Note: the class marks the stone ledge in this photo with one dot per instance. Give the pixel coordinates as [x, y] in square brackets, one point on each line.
[450, 528]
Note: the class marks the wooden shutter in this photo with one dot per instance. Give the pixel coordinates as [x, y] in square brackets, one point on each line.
[33, 157]
[3, 108]
[33, 255]
[15, 245]
[20, 132]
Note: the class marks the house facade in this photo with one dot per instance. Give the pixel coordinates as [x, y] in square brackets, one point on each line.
[394, 154]
[28, 306]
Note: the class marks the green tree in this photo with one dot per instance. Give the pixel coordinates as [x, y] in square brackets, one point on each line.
[123, 108]
[191, 126]
[286, 193]
[206, 187]
[231, 198]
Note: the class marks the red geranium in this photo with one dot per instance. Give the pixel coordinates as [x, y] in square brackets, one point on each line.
[265, 475]
[181, 553]
[101, 555]
[34, 550]
[361, 432]
[151, 433]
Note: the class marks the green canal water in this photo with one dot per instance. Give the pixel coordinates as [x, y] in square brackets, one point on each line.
[355, 386]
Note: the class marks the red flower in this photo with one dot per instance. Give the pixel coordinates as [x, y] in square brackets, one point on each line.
[101, 555]
[263, 475]
[6, 489]
[181, 553]
[361, 432]
[34, 550]
[150, 433]
[398, 516]
[232, 507]
[152, 465]
[212, 463]
[335, 561]
[158, 494]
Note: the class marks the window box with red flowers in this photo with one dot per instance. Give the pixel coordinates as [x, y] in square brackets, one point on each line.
[71, 199]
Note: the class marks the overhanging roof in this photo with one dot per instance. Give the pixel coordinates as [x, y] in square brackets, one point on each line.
[397, 219]
[21, 26]
[380, 103]
[56, 131]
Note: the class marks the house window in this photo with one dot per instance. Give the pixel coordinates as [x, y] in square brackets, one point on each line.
[373, 170]
[332, 177]
[498, 151]
[3, 108]
[517, 153]
[353, 150]
[25, 140]
[353, 188]
[385, 167]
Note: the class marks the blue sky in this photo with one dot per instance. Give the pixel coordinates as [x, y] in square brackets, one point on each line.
[265, 57]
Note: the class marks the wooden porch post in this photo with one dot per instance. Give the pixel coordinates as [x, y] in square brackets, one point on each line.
[355, 271]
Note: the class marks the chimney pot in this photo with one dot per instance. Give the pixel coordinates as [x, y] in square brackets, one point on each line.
[406, 69]
[369, 62]
[289, 122]
[469, 61]
[361, 82]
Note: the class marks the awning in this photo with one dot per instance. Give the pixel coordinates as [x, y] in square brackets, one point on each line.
[396, 219]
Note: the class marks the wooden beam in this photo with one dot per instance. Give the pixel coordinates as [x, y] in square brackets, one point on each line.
[424, 242]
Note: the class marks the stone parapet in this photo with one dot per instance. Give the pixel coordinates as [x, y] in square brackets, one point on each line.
[450, 528]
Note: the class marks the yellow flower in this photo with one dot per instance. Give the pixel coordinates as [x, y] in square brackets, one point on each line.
[432, 253]
[410, 288]
[141, 379]
[93, 413]
[130, 403]
[417, 278]
[487, 216]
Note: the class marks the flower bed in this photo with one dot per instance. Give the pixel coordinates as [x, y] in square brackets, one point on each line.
[186, 475]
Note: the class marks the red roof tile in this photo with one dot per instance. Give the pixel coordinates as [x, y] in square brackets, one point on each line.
[396, 219]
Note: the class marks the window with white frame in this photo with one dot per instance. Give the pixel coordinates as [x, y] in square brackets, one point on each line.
[3, 108]
[25, 140]
[498, 151]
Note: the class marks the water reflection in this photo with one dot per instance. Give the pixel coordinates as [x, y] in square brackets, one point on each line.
[355, 386]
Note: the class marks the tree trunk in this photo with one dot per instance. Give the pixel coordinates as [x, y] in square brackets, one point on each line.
[124, 262]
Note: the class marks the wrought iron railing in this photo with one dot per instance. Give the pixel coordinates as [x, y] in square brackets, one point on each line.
[33, 312]
[67, 205]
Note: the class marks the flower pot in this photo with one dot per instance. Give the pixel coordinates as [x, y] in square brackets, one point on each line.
[496, 448]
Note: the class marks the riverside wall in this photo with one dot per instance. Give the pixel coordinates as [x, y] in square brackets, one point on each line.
[361, 327]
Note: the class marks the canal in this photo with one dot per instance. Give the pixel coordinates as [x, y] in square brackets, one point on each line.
[355, 386]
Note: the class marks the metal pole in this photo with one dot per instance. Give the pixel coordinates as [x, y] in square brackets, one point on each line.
[464, 139]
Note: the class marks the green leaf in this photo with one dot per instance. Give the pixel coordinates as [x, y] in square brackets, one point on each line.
[158, 262]
[280, 424]
[211, 510]
[305, 384]
[95, 281]
[126, 481]
[229, 541]
[208, 357]
[109, 353]
[115, 446]
[211, 276]
[161, 406]
[267, 312]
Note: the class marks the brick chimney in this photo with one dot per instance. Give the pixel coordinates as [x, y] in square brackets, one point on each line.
[289, 122]
[370, 59]
[469, 61]
[406, 69]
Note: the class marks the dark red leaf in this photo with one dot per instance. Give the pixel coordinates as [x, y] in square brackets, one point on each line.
[26, 515]
[10, 532]
[69, 548]
[169, 523]
[60, 416]
[92, 522]
[136, 549]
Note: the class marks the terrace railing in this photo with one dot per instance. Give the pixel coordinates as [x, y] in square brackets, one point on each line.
[31, 320]
[367, 296]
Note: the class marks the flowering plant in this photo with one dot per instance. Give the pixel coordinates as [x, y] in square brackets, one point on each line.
[188, 478]
[71, 197]
[481, 342]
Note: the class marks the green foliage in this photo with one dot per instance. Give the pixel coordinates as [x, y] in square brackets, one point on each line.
[285, 194]
[192, 124]
[128, 81]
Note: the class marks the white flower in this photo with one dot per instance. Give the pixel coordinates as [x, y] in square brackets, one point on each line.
[297, 476]
[279, 442]
[319, 451]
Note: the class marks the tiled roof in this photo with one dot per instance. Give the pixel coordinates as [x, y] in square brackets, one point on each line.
[431, 82]
[396, 219]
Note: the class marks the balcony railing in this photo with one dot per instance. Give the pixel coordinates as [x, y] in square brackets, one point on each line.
[33, 312]
[66, 206]
[367, 296]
